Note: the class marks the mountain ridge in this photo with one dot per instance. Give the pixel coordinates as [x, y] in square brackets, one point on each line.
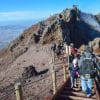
[66, 26]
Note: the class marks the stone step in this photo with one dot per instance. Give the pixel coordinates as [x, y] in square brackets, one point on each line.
[80, 94]
[74, 89]
[65, 97]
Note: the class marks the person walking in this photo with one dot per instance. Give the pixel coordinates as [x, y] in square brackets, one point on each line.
[87, 70]
[74, 72]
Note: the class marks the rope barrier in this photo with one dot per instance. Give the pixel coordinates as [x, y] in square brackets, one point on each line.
[7, 94]
[8, 88]
[34, 81]
[10, 91]
[43, 77]
[47, 86]
[39, 79]
[56, 70]
[41, 92]
[45, 89]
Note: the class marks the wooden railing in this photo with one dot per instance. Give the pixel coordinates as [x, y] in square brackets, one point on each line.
[56, 73]
[18, 90]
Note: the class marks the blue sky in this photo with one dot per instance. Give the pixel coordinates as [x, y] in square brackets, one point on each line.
[37, 9]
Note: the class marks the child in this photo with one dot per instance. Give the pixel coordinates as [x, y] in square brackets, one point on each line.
[74, 72]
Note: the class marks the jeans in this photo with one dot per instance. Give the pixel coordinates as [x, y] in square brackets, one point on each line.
[73, 82]
[86, 85]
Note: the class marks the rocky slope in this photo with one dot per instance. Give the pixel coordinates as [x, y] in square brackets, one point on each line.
[71, 25]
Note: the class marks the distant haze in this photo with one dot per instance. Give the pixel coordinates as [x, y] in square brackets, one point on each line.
[9, 30]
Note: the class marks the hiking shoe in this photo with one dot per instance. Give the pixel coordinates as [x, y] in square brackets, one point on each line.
[88, 95]
[72, 87]
[75, 85]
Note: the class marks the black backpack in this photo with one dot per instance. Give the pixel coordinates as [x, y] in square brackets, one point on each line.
[87, 68]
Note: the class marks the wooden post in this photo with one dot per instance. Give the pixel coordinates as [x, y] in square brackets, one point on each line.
[53, 57]
[18, 91]
[68, 56]
[53, 73]
[67, 52]
[54, 81]
[64, 69]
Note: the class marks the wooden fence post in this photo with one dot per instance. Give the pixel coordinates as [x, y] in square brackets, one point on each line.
[67, 52]
[54, 81]
[53, 73]
[68, 56]
[18, 91]
[64, 69]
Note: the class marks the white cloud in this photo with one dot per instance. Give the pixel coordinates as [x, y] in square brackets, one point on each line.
[22, 15]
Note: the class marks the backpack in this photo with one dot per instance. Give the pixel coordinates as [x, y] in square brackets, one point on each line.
[87, 68]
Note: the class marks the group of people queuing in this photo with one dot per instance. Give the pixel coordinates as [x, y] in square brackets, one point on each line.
[82, 67]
